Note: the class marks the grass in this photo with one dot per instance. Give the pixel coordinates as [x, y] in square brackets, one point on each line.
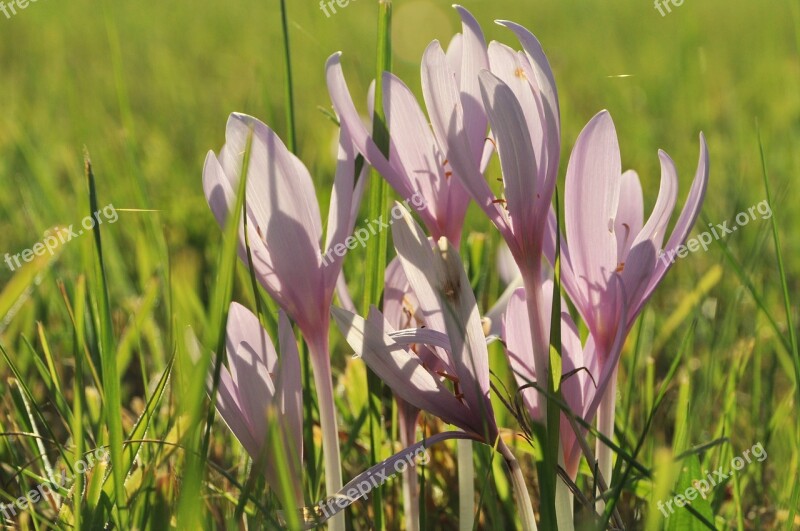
[147, 90]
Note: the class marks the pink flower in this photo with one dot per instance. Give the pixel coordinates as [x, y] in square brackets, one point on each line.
[285, 232]
[609, 265]
[418, 158]
[256, 389]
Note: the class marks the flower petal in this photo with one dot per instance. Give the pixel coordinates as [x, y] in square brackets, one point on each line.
[443, 100]
[439, 277]
[350, 119]
[684, 224]
[474, 58]
[630, 213]
[251, 359]
[656, 225]
[401, 371]
[517, 159]
[590, 205]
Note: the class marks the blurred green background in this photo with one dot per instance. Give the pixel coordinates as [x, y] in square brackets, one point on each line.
[147, 88]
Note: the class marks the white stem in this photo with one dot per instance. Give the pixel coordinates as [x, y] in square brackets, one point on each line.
[466, 485]
[540, 336]
[605, 425]
[410, 481]
[320, 360]
[524, 504]
[564, 500]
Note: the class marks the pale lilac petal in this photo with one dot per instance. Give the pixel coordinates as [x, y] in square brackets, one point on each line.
[350, 119]
[544, 74]
[656, 226]
[283, 218]
[454, 54]
[514, 69]
[441, 275]
[290, 387]
[344, 205]
[231, 412]
[413, 147]
[474, 58]
[403, 311]
[516, 157]
[251, 359]
[339, 213]
[590, 204]
[401, 371]
[421, 336]
[684, 224]
[630, 213]
[519, 349]
[442, 99]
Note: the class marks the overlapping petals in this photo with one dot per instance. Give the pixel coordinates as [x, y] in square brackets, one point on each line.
[256, 389]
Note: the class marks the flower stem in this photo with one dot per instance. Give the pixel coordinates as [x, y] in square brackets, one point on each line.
[605, 425]
[520, 489]
[320, 359]
[466, 485]
[550, 421]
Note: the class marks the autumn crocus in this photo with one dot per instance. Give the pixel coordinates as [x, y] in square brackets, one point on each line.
[437, 277]
[517, 93]
[609, 260]
[256, 389]
[284, 234]
[417, 161]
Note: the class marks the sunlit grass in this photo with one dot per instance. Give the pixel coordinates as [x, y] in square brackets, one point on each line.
[147, 89]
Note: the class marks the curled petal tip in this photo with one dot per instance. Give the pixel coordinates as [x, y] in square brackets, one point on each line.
[333, 59]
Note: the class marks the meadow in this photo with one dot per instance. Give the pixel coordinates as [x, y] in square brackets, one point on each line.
[709, 371]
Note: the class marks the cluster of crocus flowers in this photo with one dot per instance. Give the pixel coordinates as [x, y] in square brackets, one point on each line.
[428, 343]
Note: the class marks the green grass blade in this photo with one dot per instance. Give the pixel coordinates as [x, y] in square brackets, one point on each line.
[795, 498]
[375, 265]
